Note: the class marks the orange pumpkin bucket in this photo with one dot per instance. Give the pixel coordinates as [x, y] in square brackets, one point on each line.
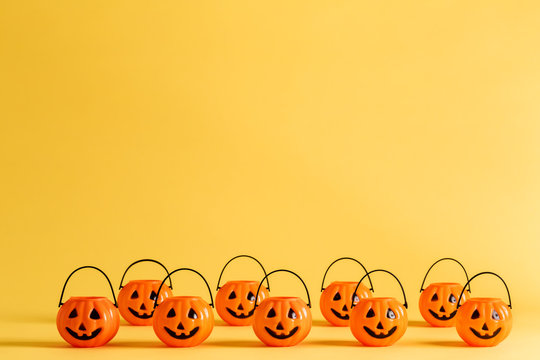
[183, 321]
[136, 298]
[484, 321]
[335, 297]
[379, 321]
[282, 321]
[235, 301]
[438, 302]
[87, 321]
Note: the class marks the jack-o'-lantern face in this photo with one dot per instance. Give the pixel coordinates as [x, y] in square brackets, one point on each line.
[235, 301]
[378, 321]
[336, 301]
[136, 300]
[182, 321]
[438, 303]
[483, 321]
[88, 321]
[282, 321]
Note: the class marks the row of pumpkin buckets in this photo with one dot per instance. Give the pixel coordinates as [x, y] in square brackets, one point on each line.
[185, 321]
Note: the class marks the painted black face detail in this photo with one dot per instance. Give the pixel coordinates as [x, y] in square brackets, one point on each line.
[73, 314]
[232, 295]
[381, 335]
[171, 313]
[487, 336]
[94, 315]
[452, 299]
[135, 295]
[443, 317]
[281, 336]
[143, 316]
[337, 297]
[181, 336]
[83, 336]
[250, 296]
[475, 315]
[271, 313]
[339, 316]
[495, 315]
[153, 295]
[370, 313]
[434, 297]
[241, 316]
[390, 314]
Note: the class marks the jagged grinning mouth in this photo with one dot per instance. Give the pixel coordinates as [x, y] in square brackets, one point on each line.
[282, 336]
[143, 316]
[381, 335]
[241, 316]
[443, 317]
[486, 337]
[83, 336]
[181, 336]
[338, 315]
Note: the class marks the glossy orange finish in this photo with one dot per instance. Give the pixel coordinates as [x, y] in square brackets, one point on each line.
[282, 321]
[88, 321]
[484, 321]
[336, 300]
[378, 321]
[183, 321]
[235, 301]
[136, 300]
[438, 303]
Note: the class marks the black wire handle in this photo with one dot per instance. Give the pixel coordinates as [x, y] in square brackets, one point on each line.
[142, 260]
[239, 256]
[436, 262]
[486, 273]
[345, 258]
[181, 269]
[285, 270]
[388, 272]
[60, 303]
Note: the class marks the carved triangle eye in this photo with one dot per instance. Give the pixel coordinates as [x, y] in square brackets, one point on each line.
[192, 314]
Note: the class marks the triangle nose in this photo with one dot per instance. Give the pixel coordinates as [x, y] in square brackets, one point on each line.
[180, 326]
[442, 309]
[240, 307]
[279, 326]
[485, 327]
[379, 326]
[344, 308]
[82, 327]
[143, 307]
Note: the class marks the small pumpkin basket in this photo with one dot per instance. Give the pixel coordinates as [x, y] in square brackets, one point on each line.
[235, 300]
[484, 321]
[379, 321]
[136, 298]
[334, 302]
[438, 302]
[183, 321]
[87, 321]
[282, 321]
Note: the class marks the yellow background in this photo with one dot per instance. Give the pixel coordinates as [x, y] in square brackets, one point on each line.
[396, 132]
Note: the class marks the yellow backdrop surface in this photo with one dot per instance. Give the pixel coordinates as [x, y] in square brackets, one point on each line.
[397, 132]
